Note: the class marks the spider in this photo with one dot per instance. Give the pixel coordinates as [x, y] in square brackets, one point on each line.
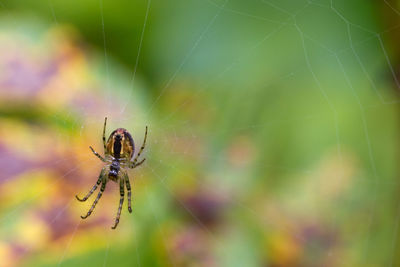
[118, 151]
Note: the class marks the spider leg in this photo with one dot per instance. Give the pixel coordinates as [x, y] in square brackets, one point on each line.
[121, 201]
[133, 163]
[97, 154]
[93, 189]
[104, 134]
[139, 163]
[103, 187]
[128, 188]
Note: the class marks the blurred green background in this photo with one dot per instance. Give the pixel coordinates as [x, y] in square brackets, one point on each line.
[273, 132]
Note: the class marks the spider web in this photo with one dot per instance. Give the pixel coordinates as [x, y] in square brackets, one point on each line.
[333, 62]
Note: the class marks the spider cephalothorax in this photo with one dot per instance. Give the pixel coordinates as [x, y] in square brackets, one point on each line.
[118, 151]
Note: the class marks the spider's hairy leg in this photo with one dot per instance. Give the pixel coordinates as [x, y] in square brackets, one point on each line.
[97, 154]
[128, 188]
[94, 187]
[103, 187]
[133, 165]
[121, 201]
[104, 134]
[137, 164]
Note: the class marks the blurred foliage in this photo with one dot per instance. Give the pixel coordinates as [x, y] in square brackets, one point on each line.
[273, 132]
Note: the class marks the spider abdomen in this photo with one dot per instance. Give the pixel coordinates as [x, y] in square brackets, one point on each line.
[120, 144]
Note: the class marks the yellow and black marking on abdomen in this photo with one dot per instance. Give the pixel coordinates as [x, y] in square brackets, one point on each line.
[120, 144]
